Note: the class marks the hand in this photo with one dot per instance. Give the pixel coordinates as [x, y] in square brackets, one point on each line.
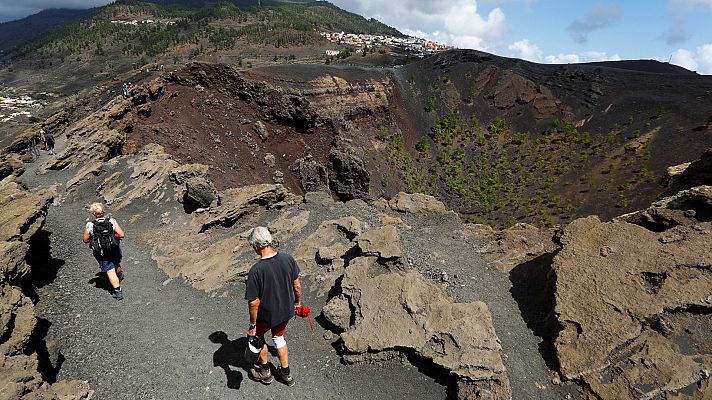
[297, 305]
[252, 331]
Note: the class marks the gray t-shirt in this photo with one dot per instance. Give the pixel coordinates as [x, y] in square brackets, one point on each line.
[272, 281]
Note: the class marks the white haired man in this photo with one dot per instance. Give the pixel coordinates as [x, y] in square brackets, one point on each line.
[273, 292]
[108, 257]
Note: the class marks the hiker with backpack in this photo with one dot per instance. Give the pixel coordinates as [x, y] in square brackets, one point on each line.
[273, 293]
[103, 234]
[48, 139]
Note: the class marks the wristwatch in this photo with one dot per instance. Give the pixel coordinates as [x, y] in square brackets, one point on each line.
[253, 326]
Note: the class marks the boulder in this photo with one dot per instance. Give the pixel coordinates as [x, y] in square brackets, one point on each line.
[635, 308]
[313, 177]
[416, 203]
[270, 160]
[396, 311]
[383, 243]
[261, 130]
[199, 193]
[513, 246]
[352, 179]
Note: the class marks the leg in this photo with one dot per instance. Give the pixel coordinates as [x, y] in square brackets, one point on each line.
[264, 353]
[113, 279]
[281, 344]
[283, 355]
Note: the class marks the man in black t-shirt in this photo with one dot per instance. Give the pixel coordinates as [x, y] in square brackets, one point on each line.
[273, 292]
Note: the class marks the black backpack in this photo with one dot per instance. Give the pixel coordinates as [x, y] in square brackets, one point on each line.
[103, 239]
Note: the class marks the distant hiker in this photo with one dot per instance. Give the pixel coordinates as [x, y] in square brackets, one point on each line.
[48, 140]
[41, 138]
[125, 88]
[131, 87]
[102, 234]
[273, 292]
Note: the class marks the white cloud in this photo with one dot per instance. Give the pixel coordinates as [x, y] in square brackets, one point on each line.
[584, 57]
[526, 51]
[699, 60]
[457, 22]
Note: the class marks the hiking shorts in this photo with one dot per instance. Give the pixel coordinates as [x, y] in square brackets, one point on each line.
[277, 330]
[107, 264]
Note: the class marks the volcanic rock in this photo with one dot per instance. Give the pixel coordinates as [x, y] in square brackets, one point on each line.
[352, 178]
[149, 177]
[199, 193]
[416, 203]
[380, 310]
[513, 246]
[312, 176]
[22, 215]
[634, 308]
[10, 164]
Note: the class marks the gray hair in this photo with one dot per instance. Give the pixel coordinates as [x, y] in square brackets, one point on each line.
[259, 237]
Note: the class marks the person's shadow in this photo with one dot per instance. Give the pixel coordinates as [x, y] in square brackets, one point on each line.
[230, 354]
[100, 281]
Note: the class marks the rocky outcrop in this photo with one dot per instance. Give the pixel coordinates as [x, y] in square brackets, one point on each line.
[380, 308]
[10, 164]
[103, 134]
[199, 193]
[313, 177]
[685, 208]
[416, 203]
[238, 202]
[22, 215]
[514, 246]
[351, 180]
[149, 174]
[212, 248]
[634, 307]
[691, 174]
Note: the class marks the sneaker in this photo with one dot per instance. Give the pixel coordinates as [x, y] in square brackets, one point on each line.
[262, 375]
[288, 379]
[118, 295]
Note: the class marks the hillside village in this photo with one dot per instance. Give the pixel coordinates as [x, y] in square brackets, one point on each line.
[421, 47]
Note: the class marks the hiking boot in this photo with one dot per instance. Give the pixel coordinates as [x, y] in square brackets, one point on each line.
[261, 375]
[118, 295]
[287, 379]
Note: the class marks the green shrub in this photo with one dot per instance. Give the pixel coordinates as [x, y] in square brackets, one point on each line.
[423, 144]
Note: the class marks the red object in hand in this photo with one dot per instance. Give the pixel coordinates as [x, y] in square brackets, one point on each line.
[303, 311]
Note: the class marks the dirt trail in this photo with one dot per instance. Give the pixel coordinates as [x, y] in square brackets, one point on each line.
[166, 340]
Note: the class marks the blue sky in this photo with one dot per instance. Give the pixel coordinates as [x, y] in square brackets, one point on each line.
[546, 31]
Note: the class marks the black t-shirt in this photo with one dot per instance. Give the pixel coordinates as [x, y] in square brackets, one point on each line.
[272, 281]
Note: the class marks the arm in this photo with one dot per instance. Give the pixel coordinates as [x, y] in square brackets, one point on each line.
[253, 306]
[119, 231]
[297, 292]
[85, 236]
